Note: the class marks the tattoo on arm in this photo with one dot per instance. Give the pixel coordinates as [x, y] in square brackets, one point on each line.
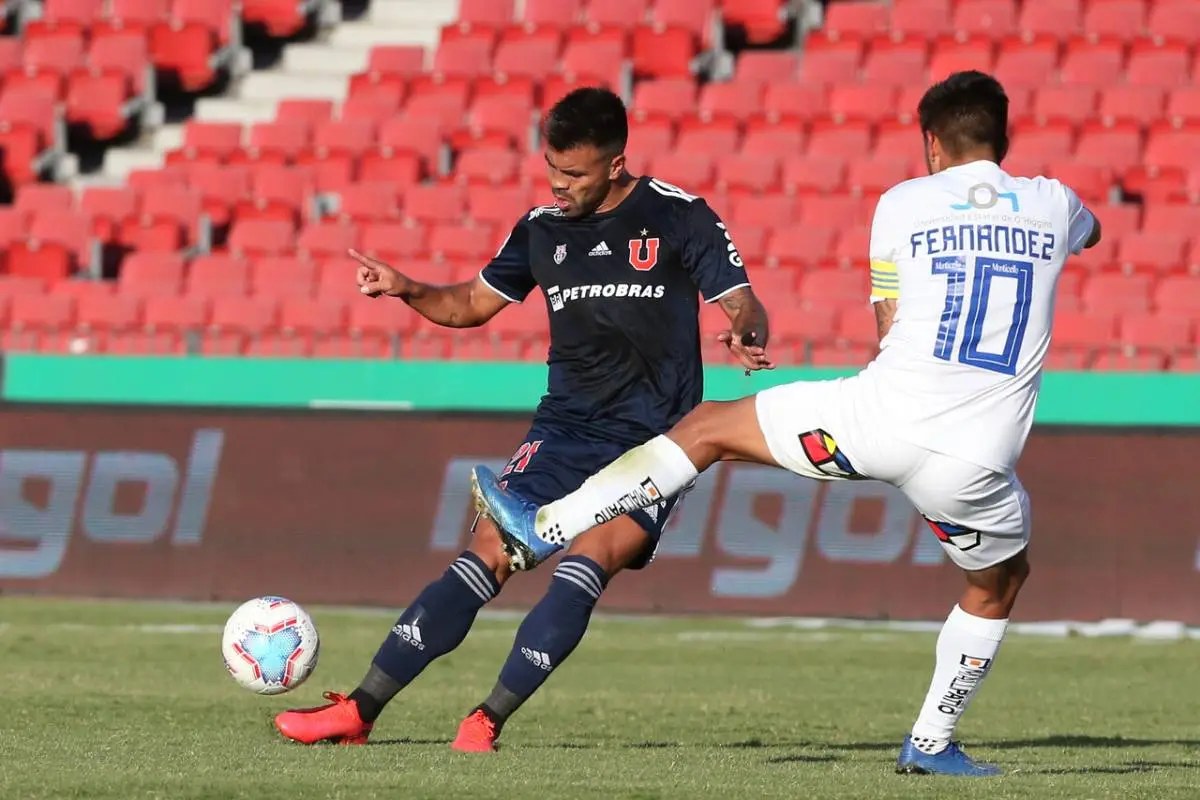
[746, 314]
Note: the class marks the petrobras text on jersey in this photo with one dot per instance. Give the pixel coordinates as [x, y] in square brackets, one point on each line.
[40, 493]
[851, 522]
[559, 296]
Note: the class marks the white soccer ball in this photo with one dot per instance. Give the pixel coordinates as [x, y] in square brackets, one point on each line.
[270, 645]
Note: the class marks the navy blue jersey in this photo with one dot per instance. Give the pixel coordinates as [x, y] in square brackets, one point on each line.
[622, 292]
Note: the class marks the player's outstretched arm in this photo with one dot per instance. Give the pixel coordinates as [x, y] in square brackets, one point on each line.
[749, 330]
[459, 305]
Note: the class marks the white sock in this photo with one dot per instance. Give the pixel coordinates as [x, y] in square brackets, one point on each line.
[966, 650]
[647, 474]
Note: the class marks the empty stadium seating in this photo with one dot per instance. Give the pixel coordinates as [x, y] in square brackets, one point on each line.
[236, 244]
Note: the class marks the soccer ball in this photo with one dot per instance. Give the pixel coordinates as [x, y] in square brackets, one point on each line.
[270, 645]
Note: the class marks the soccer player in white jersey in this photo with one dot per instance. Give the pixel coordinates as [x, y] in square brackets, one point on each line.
[964, 265]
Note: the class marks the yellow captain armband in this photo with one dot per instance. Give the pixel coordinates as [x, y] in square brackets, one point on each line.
[885, 281]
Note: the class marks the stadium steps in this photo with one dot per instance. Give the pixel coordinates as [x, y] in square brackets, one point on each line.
[316, 70]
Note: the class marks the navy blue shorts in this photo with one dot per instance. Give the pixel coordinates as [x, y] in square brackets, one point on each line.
[553, 462]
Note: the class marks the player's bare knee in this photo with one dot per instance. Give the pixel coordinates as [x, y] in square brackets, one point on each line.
[701, 433]
[613, 545]
[486, 544]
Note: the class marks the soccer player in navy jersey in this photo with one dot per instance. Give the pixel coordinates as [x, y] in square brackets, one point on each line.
[622, 262]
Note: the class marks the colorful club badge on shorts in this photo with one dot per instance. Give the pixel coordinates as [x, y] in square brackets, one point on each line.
[823, 452]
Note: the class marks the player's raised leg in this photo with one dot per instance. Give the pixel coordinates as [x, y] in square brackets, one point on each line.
[645, 475]
[432, 625]
[554, 627]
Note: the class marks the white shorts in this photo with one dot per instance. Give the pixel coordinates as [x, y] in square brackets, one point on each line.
[829, 430]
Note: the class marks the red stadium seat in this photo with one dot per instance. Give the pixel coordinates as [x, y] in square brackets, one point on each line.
[952, 56]
[326, 239]
[859, 21]
[1119, 19]
[995, 19]
[1117, 294]
[106, 206]
[800, 246]
[665, 53]
[757, 172]
[695, 16]
[1092, 63]
[1152, 251]
[486, 13]
[553, 13]
[322, 315]
[151, 274]
[1178, 295]
[1020, 64]
[458, 241]
[280, 18]
[486, 166]
[498, 205]
[265, 237]
[761, 20]
[846, 141]
[671, 98]
[794, 101]
[868, 102]
[1162, 332]
[64, 15]
[1118, 147]
[1121, 361]
[1061, 19]
[283, 277]
[1071, 104]
[1132, 103]
[1080, 330]
[780, 138]
[41, 197]
[185, 45]
[394, 241]
[432, 203]
[1154, 64]
[823, 175]
[135, 16]
[922, 19]
[1174, 20]
[372, 200]
[599, 62]
[831, 62]
[897, 63]
[767, 66]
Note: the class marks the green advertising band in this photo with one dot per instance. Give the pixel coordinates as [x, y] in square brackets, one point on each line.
[1067, 398]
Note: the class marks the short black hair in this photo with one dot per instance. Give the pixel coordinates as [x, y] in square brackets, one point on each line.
[966, 111]
[588, 116]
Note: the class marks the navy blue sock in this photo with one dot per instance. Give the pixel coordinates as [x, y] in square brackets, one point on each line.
[433, 625]
[551, 630]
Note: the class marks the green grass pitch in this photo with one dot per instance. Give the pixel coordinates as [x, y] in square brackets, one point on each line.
[98, 702]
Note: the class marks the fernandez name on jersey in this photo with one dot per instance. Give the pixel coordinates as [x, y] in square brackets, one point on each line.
[620, 289]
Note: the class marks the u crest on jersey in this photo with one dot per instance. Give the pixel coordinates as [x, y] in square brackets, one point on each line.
[643, 253]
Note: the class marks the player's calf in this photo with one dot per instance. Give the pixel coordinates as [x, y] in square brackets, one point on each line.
[966, 650]
[554, 627]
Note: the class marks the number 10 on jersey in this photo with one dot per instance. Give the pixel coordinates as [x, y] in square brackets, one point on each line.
[987, 271]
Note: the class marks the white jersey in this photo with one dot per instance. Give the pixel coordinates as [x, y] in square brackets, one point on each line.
[972, 256]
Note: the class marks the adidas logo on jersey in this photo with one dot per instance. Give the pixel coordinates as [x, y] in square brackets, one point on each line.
[537, 658]
[600, 250]
[410, 634]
